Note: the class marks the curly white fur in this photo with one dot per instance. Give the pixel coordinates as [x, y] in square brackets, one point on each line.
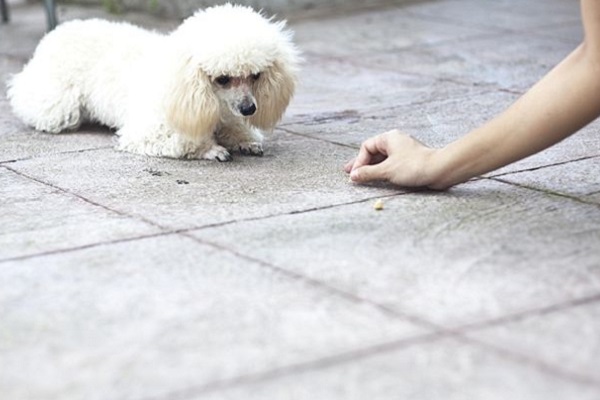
[160, 91]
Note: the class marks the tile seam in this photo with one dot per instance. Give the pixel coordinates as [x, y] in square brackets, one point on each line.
[297, 368]
[84, 199]
[547, 192]
[168, 231]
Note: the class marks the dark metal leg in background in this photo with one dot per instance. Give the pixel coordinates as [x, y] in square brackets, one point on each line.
[4, 11]
[50, 13]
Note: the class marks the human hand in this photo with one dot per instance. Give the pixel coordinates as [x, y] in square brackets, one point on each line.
[394, 157]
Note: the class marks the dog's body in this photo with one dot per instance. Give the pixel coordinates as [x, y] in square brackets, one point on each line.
[202, 91]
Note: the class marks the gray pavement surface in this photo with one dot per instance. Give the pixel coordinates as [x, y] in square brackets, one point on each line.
[124, 277]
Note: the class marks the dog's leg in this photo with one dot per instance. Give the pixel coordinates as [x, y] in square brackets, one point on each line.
[239, 137]
[163, 142]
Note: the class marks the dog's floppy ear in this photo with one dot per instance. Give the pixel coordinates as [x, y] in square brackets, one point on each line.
[273, 93]
[190, 104]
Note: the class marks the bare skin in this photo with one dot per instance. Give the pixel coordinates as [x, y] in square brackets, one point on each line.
[560, 104]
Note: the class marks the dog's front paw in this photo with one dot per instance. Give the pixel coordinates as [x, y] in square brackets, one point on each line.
[251, 148]
[218, 153]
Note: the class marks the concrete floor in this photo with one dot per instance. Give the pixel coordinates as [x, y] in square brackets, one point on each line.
[131, 278]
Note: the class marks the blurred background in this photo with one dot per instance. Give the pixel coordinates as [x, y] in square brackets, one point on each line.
[183, 8]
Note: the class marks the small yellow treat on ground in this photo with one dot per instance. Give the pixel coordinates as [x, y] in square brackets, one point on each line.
[378, 205]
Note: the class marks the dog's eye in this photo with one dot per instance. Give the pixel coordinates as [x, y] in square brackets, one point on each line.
[255, 76]
[223, 80]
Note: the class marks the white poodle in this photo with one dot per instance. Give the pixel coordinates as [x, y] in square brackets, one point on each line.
[205, 89]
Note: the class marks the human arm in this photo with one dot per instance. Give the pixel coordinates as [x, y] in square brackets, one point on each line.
[561, 103]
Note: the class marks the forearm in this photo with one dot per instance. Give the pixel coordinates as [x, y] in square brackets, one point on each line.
[561, 103]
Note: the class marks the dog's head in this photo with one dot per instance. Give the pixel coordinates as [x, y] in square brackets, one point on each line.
[236, 93]
[231, 56]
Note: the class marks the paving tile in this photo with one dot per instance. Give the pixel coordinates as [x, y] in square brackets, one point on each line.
[295, 174]
[577, 178]
[571, 31]
[569, 338]
[36, 218]
[377, 31]
[21, 35]
[449, 113]
[508, 61]
[481, 251]
[104, 314]
[439, 121]
[445, 369]
[148, 317]
[331, 88]
[584, 144]
[18, 141]
[528, 16]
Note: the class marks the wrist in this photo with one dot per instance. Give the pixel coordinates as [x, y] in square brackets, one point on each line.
[441, 171]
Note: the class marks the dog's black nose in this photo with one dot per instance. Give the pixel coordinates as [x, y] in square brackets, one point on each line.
[247, 110]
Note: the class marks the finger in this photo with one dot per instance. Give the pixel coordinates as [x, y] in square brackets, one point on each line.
[369, 173]
[348, 166]
[376, 159]
[373, 148]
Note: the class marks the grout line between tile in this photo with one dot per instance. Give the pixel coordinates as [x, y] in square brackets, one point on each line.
[317, 284]
[313, 119]
[358, 61]
[516, 317]
[308, 136]
[459, 333]
[84, 247]
[333, 11]
[534, 362]
[169, 231]
[359, 354]
[83, 198]
[495, 30]
[438, 331]
[57, 153]
[335, 359]
[497, 175]
[547, 191]
[321, 363]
